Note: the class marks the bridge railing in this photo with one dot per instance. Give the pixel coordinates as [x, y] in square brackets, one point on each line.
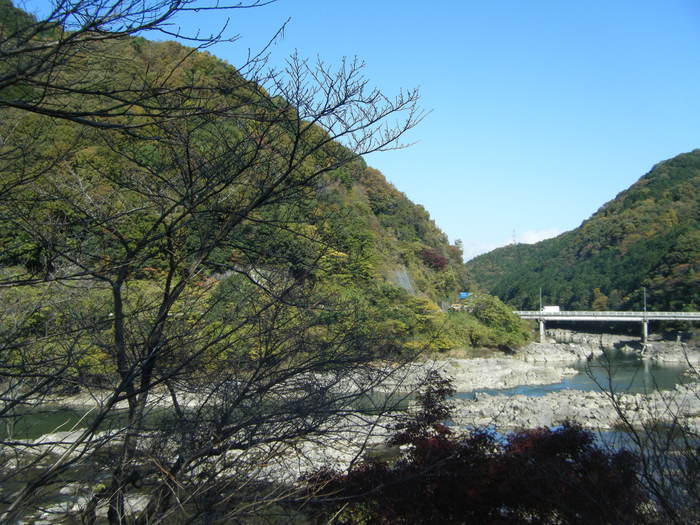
[597, 313]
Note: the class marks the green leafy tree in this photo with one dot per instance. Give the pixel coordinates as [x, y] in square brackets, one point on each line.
[600, 300]
[490, 311]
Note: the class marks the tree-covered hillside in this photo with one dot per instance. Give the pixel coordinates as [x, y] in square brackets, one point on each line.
[144, 177]
[648, 236]
[201, 254]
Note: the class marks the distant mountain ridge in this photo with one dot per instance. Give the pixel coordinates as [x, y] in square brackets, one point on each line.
[647, 236]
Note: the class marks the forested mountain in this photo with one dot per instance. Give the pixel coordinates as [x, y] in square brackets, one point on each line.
[346, 229]
[209, 176]
[647, 236]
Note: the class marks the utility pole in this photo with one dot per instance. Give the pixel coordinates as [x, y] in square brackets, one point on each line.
[541, 321]
[645, 323]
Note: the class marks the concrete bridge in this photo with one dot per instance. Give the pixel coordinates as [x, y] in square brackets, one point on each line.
[596, 316]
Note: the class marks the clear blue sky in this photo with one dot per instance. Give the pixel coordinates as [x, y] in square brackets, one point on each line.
[540, 111]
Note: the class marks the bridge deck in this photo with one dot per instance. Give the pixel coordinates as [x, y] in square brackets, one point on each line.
[580, 315]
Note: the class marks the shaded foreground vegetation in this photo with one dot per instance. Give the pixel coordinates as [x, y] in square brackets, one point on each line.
[560, 475]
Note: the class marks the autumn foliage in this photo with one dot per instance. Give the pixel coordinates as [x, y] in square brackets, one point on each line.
[434, 259]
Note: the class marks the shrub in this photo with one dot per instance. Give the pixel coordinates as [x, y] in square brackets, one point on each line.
[433, 259]
[542, 475]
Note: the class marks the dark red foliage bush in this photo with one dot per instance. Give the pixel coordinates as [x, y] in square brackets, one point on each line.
[433, 259]
[557, 476]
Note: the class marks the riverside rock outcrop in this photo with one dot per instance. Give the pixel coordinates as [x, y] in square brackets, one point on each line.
[567, 345]
[607, 341]
[593, 410]
[484, 372]
[672, 352]
[553, 352]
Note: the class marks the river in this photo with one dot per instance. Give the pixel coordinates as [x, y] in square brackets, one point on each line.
[614, 370]
[624, 372]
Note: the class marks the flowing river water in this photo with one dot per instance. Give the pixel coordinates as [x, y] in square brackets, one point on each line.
[613, 371]
[622, 372]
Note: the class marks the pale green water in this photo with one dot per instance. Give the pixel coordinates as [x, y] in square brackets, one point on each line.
[622, 372]
[48, 420]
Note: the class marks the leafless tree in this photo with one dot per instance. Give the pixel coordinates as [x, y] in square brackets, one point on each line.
[45, 59]
[122, 200]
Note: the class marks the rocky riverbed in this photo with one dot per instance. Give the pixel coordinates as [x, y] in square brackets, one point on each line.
[536, 364]
[544, 363]
[487, 372]
[593, 410]
[566, 345]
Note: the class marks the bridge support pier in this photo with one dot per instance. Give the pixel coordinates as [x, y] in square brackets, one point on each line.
[644, 317]
[541, 330]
